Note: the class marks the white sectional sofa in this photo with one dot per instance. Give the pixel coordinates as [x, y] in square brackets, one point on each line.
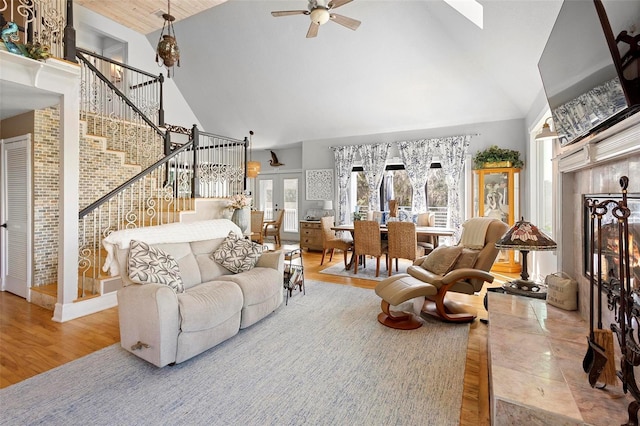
[163, 326]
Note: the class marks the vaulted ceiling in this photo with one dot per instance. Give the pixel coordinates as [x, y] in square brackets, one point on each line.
[412, 64]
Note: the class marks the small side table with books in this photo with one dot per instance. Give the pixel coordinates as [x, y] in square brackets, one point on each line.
[293, 273]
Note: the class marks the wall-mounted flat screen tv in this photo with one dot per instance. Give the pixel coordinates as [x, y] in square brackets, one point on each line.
[590, 66]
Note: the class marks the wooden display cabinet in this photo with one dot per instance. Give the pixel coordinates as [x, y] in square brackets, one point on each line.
[496, 193]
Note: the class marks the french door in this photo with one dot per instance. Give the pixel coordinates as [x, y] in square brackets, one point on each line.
[277, 192]
[15, 215]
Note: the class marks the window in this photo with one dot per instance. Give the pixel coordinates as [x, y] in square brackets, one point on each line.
[437, 194]
[396, 186]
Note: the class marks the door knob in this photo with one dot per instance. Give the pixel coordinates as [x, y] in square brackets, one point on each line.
[4, 225]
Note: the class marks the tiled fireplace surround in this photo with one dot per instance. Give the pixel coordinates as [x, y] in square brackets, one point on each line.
[593, 167]
[536, 350]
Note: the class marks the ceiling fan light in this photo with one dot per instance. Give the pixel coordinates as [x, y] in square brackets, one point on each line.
[319, 15]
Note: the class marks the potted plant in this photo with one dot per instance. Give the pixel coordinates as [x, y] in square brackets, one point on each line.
[495, 156]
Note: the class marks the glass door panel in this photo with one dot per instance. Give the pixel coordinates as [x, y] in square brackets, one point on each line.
[278, 191]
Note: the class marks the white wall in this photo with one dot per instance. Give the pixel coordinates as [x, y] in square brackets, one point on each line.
[141, 54]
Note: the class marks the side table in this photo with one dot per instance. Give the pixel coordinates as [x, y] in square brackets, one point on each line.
[293, 273]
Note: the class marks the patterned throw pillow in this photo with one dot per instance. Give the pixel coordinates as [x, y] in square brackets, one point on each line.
[404, 216]
[442, 259]
[467, 258]
[237, 254]
[149, 265]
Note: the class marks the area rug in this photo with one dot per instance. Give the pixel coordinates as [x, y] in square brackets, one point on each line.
[323, 359]
[368, 272]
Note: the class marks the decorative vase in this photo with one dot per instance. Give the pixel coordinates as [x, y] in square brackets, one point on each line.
[226, 213]
[241, 218]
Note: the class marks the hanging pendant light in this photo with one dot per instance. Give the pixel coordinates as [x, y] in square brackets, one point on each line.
[253, 167]
[167, 49]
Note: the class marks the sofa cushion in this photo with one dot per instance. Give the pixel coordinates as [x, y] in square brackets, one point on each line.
[258, 284]
[209, 268]
[442, 259]
[189, 270]
[237, 254]
[208, 305]
[148, 264]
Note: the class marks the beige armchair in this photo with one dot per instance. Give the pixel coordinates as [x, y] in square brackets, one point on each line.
[463, 269]
[427, 242]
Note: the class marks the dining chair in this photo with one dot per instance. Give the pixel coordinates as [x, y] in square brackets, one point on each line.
[427, 242]
[257, 218]
[330, 241]
[393, 208]
[272, 229]
[367, 241]
[403, 243]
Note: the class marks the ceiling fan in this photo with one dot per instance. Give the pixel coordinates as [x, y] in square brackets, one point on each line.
[320, 13]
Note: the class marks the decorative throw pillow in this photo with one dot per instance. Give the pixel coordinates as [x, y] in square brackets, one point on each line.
[404, 216]
[237, 254]
[148, 265]
[467, 258]
[442, 259]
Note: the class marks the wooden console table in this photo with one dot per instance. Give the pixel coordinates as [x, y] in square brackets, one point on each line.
[310, 235]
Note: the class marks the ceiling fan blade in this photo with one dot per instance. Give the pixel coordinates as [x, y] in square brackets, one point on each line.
[313, 30]
[337, 3]
[350, 23]
[289, 12]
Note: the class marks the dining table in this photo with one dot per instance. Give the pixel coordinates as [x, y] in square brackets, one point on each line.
[435, 231]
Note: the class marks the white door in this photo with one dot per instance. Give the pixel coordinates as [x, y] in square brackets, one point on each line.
[15, 215]
[277, 192]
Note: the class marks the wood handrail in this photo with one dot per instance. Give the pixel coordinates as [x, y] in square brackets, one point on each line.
[117, 91]
[113, 61]
[91, 207]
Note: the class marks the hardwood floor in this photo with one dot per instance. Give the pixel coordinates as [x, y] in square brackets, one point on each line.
[31, 343]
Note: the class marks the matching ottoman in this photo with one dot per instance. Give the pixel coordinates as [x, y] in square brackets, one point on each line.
[399, 289]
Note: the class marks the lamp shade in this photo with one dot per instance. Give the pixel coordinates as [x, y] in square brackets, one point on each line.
[253, 168]
[525, 236]
[327, 205]
[546, 132]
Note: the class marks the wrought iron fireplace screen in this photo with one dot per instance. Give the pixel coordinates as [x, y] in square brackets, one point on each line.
[610, 242]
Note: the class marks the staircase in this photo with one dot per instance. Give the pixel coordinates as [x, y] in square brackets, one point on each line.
[132, 175]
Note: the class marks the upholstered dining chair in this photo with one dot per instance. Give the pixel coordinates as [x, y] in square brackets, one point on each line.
[403, 243]
[272, 229]
[367, 241]
[427, 242]
[330, 241]
[257, 218]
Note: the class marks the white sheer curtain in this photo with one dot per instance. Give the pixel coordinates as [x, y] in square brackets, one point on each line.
[453, 151]
[374, 160]
[416, 157]
[344, 156]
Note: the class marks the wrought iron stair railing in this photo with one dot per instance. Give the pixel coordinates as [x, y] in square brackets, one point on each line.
[125, 105]
[208, 166]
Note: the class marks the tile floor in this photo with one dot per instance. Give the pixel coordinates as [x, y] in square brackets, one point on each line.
[535, 366]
